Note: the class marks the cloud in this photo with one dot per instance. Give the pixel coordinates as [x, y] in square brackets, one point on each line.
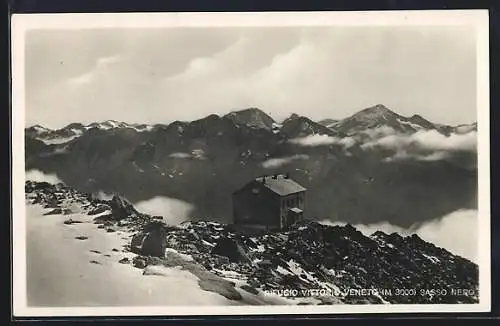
[427, 140]
[103, 195]
[82, 79]
[198, 154]
[436, 141]
[37, 175]
[105, 61]
[322, 140]
[277, 162]
[455, 232]
[379, 132]
[403, 154]
[174, 211]
[101, 68]
[180, 155]
[425, 145]
[318, 71]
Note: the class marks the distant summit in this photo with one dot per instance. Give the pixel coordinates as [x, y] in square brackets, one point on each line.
[252, 117]
[300, 126]
[76, 129]
[379, 116]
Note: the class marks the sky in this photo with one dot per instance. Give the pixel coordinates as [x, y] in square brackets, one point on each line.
[166, 74]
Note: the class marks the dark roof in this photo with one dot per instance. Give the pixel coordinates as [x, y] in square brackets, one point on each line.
[282, 185]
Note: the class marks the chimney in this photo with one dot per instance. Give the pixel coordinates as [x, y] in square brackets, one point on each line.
[287, 175]
[275, 176]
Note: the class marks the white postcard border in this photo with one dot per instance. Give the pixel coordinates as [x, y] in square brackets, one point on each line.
[23, 22]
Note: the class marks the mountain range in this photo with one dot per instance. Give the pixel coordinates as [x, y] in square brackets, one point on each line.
[374, 166]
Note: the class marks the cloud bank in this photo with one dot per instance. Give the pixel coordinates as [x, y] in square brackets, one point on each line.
[103, 195]
[277, 162]
[322, 140]
[424, 145]
[180, 155]
[39, 176]
[174, 211]
[455, 232]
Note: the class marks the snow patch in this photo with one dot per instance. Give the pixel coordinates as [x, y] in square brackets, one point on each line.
[61, 274]
[58, 140]
[433, 259]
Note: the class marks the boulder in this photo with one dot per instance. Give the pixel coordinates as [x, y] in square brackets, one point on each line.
[71, 221]
[139, 262]
[154, 245]
[99, 209]
[136, 242]
[151, 241]
[124, 260]
[40, 186]
[121, 208]
[231, 249]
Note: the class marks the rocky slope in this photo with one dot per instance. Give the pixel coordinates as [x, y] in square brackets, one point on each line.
[202, 162]
[308, 264]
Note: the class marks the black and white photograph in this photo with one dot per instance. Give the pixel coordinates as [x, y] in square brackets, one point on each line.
[250, 163]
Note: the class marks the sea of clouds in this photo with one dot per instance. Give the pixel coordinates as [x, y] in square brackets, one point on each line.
[174, 211]
[39, 176]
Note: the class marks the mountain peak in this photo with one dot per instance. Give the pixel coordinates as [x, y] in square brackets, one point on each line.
[252, 117]
[379, 116]
[37, 130]
[38, 127]
[378, 110]
[300, 126]
[107, 124]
